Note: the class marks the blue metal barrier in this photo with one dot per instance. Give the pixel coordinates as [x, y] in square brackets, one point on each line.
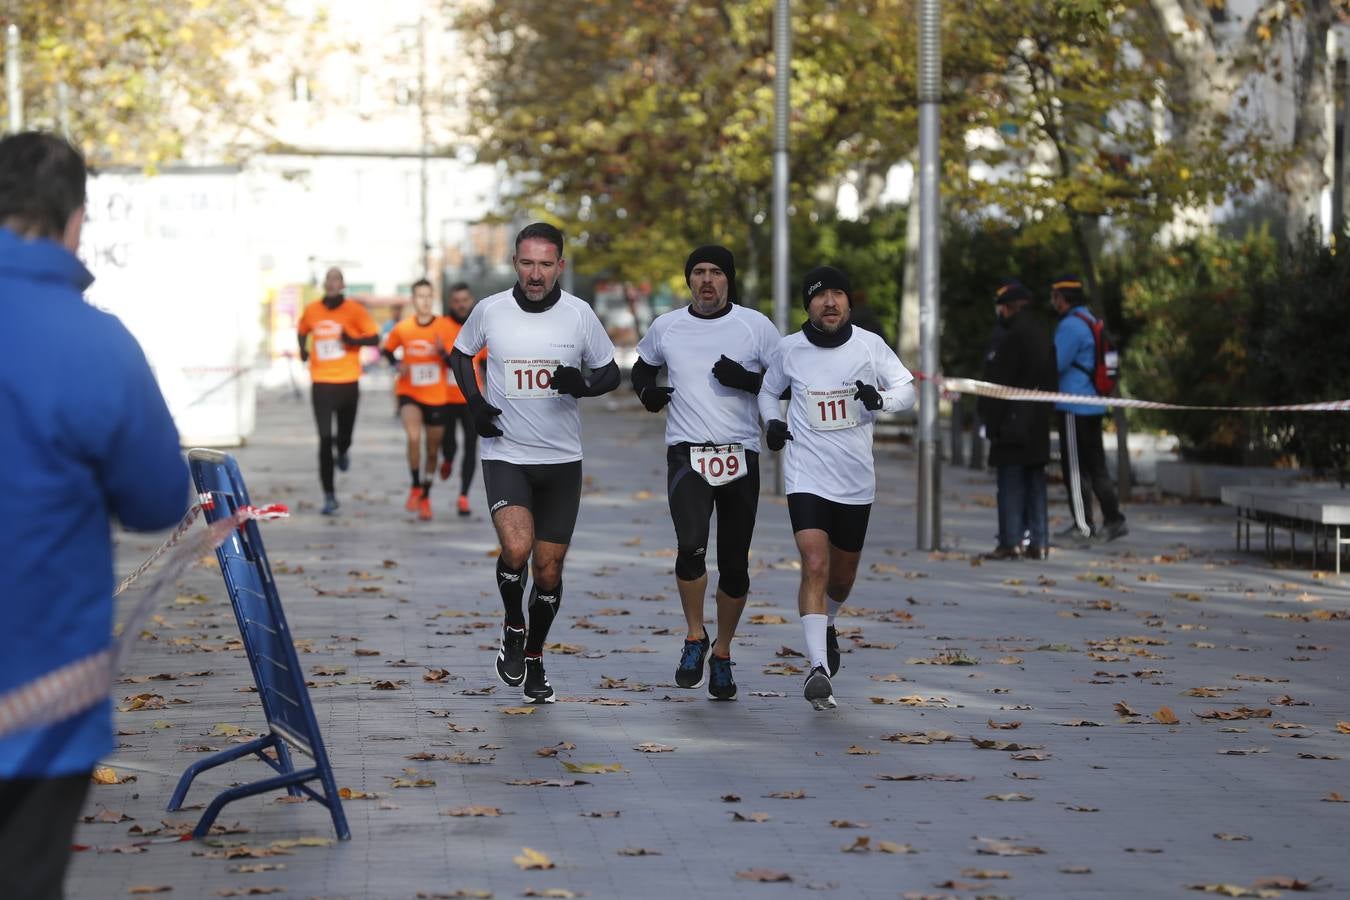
[271, 655]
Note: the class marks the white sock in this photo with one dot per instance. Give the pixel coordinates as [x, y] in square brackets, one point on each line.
[813, 626]
[832, 606]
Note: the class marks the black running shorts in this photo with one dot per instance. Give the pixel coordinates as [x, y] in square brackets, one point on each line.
[432, 416]
[552, 494]
[844, 523]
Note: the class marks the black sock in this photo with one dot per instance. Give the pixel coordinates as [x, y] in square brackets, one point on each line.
[426, 488]
[543, 608]
[416, 479]
[511, 585]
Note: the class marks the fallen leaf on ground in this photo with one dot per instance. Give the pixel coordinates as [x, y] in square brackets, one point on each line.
[1286, 883]
[1225, 836]
[652, 747]
[1231, 890]
[926, 776]
[106, 775]
[518, 710]
[731, 798]
[920, 737]
[1080, 723]
[1084, 809]
[150, 889]
[1075, 870]
[1244, 751]
[1031, 757]
[1125, 709]
[473, 812]
[749, 817]
[763, 875]
[766, 619]
[845, 823]
[532, 859]
[1237, 713]
[551, 893]
[1333, 797]
[592, 768]
[987, 874]
[1004, 726]
[1165, 716]
[435, 674]
[994, 847]
[1009, 798]
[350, 794]
[1009, 746]
[1315, 756]
[555, 749]
[638, 851]
[1343, 727]
[787, 795]
[600, 814]
[855, 750]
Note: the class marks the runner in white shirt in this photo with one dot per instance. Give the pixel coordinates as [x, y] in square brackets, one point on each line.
[712, 455]
[840, 378]
[537, 338]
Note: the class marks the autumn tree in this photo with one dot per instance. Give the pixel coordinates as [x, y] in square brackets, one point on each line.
[145, 79]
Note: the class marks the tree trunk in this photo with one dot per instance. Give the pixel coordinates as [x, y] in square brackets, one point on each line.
[1306, 176]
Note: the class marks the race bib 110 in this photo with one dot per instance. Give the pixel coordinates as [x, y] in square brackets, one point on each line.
[530, 379]
[831, 410]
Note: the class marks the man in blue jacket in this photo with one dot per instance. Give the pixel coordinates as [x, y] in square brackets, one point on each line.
[1081, 456]
[86, 437]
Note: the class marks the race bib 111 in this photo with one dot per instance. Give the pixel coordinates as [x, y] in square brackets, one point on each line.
[832, 410]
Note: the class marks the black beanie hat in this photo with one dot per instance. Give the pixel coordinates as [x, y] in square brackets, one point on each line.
[1010, 290]
[823, 278]
[719, 256]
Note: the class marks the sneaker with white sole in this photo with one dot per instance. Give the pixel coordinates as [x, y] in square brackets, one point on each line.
[817, 690]
[691, 671]
[511, 656]
[537, 688]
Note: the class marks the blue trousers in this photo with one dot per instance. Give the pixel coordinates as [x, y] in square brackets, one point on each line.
[1022, 506]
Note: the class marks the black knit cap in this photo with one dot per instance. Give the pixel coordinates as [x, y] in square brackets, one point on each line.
[1010, 290]
[823, 278]
[719, 256]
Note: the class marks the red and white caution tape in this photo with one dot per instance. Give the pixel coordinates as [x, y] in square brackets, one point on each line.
[1004, 392]
[82, 684]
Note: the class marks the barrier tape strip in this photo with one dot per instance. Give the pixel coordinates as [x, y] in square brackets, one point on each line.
[1004, 392]
[77, 686]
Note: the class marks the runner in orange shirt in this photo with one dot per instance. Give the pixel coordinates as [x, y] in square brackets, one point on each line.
[422, 388]
[459, 305]
[340, 327]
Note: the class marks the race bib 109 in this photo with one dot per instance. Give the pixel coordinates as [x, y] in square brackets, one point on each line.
[718, 464]
[530, 379]
[832, 410]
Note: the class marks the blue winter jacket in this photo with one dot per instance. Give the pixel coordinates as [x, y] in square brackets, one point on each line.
[1077, 355]
[85, 437]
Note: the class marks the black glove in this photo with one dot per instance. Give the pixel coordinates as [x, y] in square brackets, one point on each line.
[655, 398]
[569, 380]
[777, 434]
[483, 413]
[732, 374]
[304, 355]
[870, 396]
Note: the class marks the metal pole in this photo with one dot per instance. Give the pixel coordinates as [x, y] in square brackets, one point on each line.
[13, 79]
[425, 254]
[782, 76]
[930, 95]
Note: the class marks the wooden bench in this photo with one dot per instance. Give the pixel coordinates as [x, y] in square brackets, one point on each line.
[1324, 510]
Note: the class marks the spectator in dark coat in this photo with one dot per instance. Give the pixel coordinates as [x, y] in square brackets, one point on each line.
[1022, 356]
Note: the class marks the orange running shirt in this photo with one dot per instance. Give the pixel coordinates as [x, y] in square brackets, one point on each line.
[455, 394]
[425, 377]
[331, 361]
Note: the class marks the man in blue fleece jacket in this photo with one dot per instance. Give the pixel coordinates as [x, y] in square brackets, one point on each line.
[85, 437]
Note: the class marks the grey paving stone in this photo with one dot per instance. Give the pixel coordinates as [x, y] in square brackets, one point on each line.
[1151, 787]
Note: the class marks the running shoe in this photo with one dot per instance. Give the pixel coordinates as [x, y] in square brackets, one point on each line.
[1112, 530]
[446, 467]
[344, 462]
[832, 650]
[690, 673]
[537, 688]
[424, 508]
[414, 495]
[511, 656]
[818, 691]
[721, 686]
[330, 505]
[463, 505]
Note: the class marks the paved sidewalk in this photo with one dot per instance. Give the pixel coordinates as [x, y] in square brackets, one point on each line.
[1102, 804]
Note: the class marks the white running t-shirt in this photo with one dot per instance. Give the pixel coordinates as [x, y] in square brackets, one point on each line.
[539, 425]
[702, 409]
[830, 454]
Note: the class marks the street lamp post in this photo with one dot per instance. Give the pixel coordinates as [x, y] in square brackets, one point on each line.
[930, 95]
[782, 75]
